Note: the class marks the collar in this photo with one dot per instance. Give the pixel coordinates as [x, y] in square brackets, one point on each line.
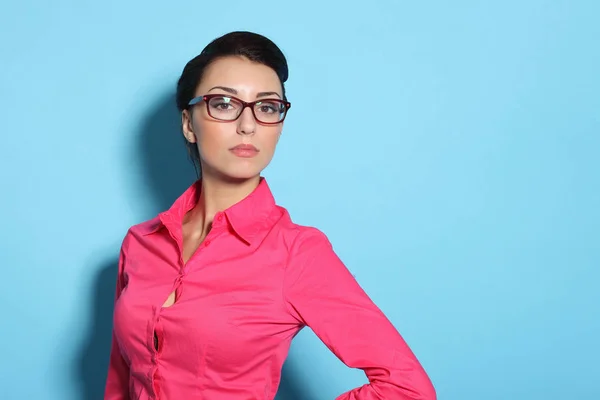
[247, 217]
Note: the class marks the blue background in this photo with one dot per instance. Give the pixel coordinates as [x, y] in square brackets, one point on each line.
[450, 150]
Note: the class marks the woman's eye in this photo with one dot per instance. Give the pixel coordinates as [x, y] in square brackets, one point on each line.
[268, 108]
[222, 106]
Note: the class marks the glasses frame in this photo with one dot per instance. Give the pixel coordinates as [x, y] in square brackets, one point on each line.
[205, 98]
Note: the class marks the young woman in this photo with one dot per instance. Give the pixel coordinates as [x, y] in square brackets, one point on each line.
[211, 292]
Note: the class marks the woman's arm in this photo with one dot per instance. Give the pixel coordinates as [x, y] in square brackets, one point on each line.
[321, 293]
[117, 381]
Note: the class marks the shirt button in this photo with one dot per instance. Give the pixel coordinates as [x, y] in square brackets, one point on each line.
[220, 217]
[206, 243]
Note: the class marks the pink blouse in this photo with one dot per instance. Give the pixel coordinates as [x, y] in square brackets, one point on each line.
[256, 280]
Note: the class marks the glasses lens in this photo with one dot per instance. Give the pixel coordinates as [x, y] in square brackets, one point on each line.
[224, 108]
[269, 111]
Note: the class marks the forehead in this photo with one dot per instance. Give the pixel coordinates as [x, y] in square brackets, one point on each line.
[241, 74]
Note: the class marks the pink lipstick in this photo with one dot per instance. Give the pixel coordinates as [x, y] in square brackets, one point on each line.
[244, 150]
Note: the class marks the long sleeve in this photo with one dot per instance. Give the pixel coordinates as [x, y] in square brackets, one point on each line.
[321, 293]
[117, 381]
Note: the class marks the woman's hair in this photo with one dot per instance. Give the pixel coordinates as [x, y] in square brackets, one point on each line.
[252, 46]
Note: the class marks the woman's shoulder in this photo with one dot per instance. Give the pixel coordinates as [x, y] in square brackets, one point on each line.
[140, 230]
[302, 236]
[146, 227]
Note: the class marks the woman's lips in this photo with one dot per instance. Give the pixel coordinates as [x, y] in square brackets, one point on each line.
[244, 150]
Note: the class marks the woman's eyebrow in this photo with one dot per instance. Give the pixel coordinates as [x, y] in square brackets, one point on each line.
[233, 91]
[263, 94]
[225, 88]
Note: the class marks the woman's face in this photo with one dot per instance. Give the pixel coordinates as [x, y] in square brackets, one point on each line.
[216, 139]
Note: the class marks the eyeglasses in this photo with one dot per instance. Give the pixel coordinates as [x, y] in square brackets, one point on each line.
[229, 108]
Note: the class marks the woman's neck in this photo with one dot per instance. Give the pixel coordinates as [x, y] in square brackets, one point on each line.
[216, 195]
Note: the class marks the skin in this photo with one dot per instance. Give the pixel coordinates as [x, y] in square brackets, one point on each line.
[227, 178]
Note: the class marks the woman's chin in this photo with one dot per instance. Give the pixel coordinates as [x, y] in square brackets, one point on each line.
[243, 171]
[234, 172]
[238, 176]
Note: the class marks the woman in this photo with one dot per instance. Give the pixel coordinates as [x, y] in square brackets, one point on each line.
[211, 292]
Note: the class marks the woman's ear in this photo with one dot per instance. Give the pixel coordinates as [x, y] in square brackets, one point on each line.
[188, 126]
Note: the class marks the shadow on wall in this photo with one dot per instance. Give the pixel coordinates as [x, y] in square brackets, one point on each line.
[166, 167]
[168, 172]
